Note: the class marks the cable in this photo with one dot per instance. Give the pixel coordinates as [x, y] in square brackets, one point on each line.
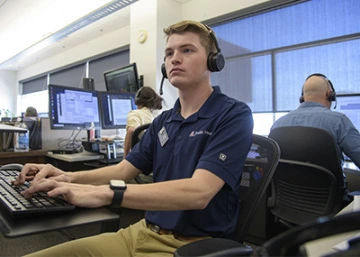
[71, 143]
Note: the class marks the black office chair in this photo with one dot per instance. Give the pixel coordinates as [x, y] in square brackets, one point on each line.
[308, 181]
[290, 243]
[258, 170]
[34, 127]
[138, 132]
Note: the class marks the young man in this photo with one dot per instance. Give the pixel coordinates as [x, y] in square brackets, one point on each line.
[196, 152]
[314, 111]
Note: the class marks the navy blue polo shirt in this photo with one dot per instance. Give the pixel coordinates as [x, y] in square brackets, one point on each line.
[216, 138]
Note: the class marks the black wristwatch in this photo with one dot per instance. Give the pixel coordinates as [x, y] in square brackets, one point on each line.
[119, 187]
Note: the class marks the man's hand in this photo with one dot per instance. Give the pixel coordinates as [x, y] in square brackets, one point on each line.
[35, 172]
[77, 194]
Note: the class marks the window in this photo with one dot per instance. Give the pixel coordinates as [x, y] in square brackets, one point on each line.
[269, 55]
[34, 91]
[71, 77]
[34, 85]
[99, 66]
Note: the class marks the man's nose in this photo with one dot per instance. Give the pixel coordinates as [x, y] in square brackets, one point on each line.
[176, 57]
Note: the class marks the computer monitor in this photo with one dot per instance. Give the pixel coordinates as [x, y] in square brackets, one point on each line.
[350, 106]
[122, 80]
[115, 108]
[73, 108]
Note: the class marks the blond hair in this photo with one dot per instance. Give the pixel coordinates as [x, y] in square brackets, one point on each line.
[198, 28]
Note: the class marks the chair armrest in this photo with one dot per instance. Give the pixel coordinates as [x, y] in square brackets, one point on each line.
[212, 247]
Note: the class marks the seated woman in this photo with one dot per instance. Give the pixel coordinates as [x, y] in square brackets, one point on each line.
[31, 112]
[147, 102]
[33, 123]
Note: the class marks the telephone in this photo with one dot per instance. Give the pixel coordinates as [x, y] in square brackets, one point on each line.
[12, 166]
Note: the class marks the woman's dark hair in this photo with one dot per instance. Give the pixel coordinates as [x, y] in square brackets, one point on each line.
[146, 96]
[31, 112]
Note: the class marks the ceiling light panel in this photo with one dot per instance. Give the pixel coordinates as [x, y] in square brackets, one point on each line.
[94, 12]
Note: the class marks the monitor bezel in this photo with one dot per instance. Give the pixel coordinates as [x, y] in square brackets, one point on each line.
[339, 96]
[346, 95]
[83, 126]
[102, 116]
[134, 69]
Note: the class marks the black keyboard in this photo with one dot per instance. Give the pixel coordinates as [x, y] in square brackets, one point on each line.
[18, 206]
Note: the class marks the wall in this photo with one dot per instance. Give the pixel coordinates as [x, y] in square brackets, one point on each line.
[110, 41]
[8, 89]
[202, 10]
[154, 21]
[150, 15]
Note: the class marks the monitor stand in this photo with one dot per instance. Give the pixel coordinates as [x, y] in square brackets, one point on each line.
[117, 135]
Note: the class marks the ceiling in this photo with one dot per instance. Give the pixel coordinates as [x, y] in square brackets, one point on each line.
[25, 26]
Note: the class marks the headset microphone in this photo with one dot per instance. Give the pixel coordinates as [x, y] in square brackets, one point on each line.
[161, 85]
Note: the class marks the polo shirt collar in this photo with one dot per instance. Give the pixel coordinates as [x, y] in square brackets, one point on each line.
[209, 109]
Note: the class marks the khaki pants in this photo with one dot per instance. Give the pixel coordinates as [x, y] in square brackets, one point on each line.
[136, 240]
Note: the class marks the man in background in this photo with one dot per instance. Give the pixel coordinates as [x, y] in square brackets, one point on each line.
[314, 111]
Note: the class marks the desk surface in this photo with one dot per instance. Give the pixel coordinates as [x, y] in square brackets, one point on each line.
[76, 157]
[80, 216]
[327, 245]
[351, 166]
[30, 153]
[9, 128]
[34, 156]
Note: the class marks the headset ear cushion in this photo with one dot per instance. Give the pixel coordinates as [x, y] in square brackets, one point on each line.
[215, 62]
[301, 99]
[163, 70]
[332, 96]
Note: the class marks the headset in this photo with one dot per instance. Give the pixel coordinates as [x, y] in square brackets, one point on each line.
[215, 60]
[332, 94]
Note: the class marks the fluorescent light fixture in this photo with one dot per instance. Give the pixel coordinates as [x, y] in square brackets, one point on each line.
[103, 8]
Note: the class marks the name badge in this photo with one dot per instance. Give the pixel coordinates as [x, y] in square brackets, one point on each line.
[163, 136]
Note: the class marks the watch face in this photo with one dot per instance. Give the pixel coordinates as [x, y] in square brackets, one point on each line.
[117, 183]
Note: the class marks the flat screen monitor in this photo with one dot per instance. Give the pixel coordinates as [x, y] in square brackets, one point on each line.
[73, 108]
[115, 108]
[350, 106]
[122, 80]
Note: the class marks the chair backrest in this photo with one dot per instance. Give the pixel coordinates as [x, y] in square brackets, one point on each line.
[35, 135]
[138, 134]
[309, 181]
[259, 168]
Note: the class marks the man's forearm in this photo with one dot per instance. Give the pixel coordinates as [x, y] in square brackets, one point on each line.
[103, 175]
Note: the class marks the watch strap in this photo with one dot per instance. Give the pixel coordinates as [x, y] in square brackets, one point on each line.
[117, 199]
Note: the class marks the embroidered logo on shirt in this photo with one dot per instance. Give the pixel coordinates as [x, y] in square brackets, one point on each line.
[201, 132]
[222, 157]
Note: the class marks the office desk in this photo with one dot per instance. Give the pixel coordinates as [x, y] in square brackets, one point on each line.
[57, 221]
[34, 156]
[76, 157]
[73, 162]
